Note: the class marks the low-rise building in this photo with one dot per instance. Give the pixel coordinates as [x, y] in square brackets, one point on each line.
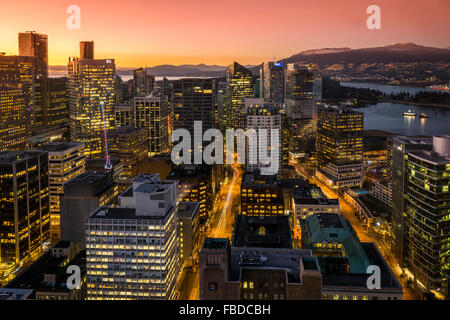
[382, 191]
[310, 199]
[344, 261]
[47, 277]
[261, 195]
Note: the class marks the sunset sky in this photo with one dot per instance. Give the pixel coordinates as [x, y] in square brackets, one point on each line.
[152, 32]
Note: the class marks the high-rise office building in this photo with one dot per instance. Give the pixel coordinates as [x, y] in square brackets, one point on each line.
[87, 50]
[24, 206]
[195, 184]
[427, 215]
[240, 86]
[130, 146]
[267, 118]
[16, 102]
[194, 100]
[400, 146]
[124, 115]
[272, 82]
[152, 113]
[302, 94]
[35, 45]
[91, 82]
[58, 102]
[137, 257]
[143, 83]
[66, 160]
[82, 195]
[340, 147]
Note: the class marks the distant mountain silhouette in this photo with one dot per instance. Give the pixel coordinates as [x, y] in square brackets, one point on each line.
[400, 52]
[395, 53]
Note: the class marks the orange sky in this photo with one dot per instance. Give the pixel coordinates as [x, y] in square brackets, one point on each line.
[152, 32]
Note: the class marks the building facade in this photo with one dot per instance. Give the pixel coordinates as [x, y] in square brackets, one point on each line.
[82, 195]
[91, 82]
[340, 147]
[16, 103]
[239, 87]
[130, 146]
[152, 113]
[66, 160]
[36, 45]
[132, 250]
[427, 198]
[25, 228]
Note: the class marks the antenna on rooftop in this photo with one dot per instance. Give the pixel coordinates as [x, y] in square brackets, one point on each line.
[108, 165]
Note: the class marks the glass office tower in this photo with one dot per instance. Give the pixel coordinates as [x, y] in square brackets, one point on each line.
[427, 215]
[240, 86]
[36, 45]
[91, 81]
[16, 101]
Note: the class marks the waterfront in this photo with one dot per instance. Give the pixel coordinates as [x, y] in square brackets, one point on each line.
[385, 88]
[388, 116]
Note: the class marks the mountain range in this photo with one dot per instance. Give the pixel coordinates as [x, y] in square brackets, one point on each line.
[396, 53]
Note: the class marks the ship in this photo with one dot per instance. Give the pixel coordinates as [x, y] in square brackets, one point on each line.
[423, 115]
[409, 114]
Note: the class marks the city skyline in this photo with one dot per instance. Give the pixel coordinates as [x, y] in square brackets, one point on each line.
[294, 26]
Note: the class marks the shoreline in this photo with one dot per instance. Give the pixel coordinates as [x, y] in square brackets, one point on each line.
[419, 104]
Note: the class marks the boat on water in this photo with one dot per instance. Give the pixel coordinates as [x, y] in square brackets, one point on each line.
[424, 115]
[409, 114]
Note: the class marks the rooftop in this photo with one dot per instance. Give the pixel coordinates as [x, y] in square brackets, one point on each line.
[262, 232]
[215, 243]
[388, 280]
[61, 146]
[268, 258]
[188, 209]
[312, 194]
[33, 277]
[9, 157]
[255, 180]
[331, 228]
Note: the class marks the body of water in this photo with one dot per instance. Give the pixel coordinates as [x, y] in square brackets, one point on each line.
[389, 117]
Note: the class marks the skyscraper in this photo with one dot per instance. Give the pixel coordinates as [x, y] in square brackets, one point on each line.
[82, 195]
[139, 258]
[130, 146]
[272, 82]
[36, 45]
[152, 113]
[91, 81]
[340, 146]
[427, 215]
[194, 100]
[240, 86]
[143, 83]
[124, 115]
[301, 110]
[264, 117]
[58, 102]
[16, 102]
[87, 50]
[66, 161]
[24, 206]
[401, 146]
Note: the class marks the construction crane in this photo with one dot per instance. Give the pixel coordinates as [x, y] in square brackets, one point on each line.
[108, 165]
